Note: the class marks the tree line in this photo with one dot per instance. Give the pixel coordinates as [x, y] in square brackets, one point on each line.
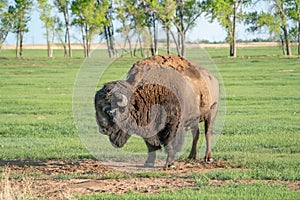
[138, 22]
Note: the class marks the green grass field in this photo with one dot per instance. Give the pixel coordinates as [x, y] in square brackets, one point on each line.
[261, 134]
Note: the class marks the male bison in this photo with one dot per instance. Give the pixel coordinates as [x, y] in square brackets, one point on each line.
[161, 98]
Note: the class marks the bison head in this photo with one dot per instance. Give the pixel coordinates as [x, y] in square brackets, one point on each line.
[112, 110]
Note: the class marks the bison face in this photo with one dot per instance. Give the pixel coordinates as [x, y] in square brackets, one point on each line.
[111, 104]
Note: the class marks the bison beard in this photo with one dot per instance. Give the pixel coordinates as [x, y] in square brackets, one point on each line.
[162, 96]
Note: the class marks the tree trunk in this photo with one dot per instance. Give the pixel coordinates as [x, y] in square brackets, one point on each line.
[69, 42]
[141, 47]
[183, 44]
[17, 45]
[284, 28]
[232, 50]
[49, 49]
[111, 41]
[168, 40]
[155, 37]
[88, 53]
[179, 43]
[48, 44]
[299, 38]
[287, 41]
[231, 43]
[150, 38]
[182, 33]
[176, 42]
[21, 44]
[65, 44]
[135, 47]
[180, 28]
[130, 46]
[107, 41]
[87, 40]
[233, 36]
[68, 37]
[283, 45]
[83, 41]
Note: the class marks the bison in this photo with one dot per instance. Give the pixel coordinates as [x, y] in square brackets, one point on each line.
[162, 97]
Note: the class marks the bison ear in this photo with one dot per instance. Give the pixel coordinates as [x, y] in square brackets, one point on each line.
[123, 102]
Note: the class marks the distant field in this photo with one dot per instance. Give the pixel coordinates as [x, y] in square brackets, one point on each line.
[260, 141]
[77, 46]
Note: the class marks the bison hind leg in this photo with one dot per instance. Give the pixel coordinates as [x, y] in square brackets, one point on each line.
[208, 123]
[195, 132]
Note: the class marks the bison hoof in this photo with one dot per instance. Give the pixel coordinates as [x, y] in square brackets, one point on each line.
[208, 160]
[149, 165]
[169, 166]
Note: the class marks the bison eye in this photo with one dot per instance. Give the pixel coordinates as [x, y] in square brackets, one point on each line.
[103, 122]
[121, 109]
[106, 108]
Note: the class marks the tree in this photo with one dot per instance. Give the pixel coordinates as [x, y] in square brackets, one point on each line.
[142, 16]
[280, 9]
[125, 19]
[63, 7]
[227, 13]
[6, 19]
[179, 13]
[21, 13]
[109, 31]
[187, 12]
[276, 20]
[165, 12]
[60, 34]
[293, 12]
[90, 16]
[136, 21]
[49, 22]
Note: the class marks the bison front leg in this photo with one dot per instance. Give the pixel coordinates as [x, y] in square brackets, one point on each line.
[151, 155]
[170, 156]
[193, 153]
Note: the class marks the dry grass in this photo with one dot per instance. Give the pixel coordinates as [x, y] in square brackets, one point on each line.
[21, 186]
[11, 191]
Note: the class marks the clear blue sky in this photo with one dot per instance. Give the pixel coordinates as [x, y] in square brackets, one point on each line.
[203, 31]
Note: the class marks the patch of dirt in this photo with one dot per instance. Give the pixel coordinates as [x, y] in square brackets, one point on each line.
[64, 179]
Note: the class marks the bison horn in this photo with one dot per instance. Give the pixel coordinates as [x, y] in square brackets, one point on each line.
[124, 101]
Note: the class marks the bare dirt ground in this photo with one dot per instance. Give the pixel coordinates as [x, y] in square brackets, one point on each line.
[64, 179]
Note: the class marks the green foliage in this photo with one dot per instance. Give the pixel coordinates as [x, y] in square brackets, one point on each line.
[6, 19]
[45, 14]
[62, 5]
[90, 16]
[190, 11]
[2, 5]
[165, 10]
[21, 11]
